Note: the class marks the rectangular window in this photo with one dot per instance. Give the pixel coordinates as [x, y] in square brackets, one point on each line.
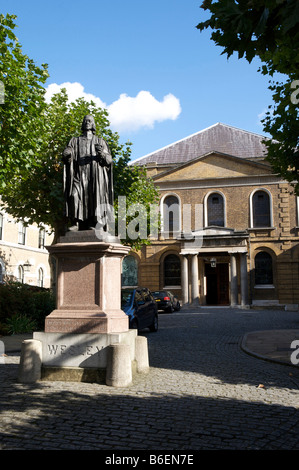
[41, 238]
[22, 234]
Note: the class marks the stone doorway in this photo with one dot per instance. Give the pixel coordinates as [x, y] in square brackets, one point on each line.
[217, 284]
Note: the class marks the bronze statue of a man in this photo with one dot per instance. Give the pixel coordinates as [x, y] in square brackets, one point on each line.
[88, 179]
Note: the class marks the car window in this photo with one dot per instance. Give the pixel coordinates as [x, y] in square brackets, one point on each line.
[158, 293]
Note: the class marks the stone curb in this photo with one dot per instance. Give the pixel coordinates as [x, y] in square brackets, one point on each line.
[268, 356]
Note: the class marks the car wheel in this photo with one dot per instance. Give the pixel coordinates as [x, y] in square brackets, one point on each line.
[178, 306]
[154, 326]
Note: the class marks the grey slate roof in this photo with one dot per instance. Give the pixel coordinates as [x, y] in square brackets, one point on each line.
[219, 138]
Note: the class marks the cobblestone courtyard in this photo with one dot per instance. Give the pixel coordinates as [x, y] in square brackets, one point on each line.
[203, 392]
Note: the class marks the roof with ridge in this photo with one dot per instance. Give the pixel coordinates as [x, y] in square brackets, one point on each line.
[218, 138]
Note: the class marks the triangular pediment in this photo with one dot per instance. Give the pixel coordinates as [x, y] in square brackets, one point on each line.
[214, 165]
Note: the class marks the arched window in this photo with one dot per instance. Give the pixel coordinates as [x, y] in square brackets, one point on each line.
[129, 276]
[171, 214]
[261, 211]
[263, 269]
[215, 210]
[2, 270]
[40, 278]
[172, 270]
[21, 274]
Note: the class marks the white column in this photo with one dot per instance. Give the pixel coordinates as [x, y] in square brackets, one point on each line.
[184, 279]
[244, 280]
[194, 270]
[233, 280]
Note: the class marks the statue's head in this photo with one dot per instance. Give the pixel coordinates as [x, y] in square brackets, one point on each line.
[88, 124]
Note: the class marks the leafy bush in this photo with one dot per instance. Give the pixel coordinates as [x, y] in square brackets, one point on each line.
[19, 301]
[19, 324]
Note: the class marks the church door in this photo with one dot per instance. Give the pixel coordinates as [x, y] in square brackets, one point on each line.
[217, 279]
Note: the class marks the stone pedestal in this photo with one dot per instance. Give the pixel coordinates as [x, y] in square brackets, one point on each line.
[89, 357]
[87, 337]
[88, 270]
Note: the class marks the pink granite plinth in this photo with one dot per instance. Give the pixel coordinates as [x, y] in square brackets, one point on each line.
[88, 276]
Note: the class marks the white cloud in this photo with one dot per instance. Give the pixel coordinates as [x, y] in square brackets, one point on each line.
[127, 113]
[132, 113]
[74, 91]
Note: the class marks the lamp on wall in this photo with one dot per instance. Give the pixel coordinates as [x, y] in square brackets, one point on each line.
[213, 262]
[27, 266]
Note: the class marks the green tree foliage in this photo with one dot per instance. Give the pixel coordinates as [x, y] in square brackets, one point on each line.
[282, 123]
[34, 134]
[269, 30]
[22, 86]
[264, 28]
[37, 193]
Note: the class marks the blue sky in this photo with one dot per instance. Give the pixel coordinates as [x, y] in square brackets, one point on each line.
[159, 77]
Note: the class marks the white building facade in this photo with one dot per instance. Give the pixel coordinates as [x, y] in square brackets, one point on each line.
[23, 256]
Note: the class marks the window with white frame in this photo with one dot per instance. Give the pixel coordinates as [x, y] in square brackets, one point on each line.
[215, 210]
[40, 278]
[171, 214]
[41, 238]
[21, 234]
[21, 274]
[261, 209]
[2, 270]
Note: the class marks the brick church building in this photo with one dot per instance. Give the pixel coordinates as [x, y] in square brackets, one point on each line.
[230, 226]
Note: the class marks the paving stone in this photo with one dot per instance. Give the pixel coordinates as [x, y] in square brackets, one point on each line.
[202, 392]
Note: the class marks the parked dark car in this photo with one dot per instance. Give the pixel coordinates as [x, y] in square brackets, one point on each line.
[166, 301]
[141, 308]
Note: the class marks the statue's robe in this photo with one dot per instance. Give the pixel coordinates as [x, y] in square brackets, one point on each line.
[88, 181]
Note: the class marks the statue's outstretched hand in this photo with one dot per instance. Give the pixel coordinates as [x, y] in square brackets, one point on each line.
[66, 154]
[99, 149]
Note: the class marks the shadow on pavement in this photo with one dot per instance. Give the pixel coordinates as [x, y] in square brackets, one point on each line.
[39, 418]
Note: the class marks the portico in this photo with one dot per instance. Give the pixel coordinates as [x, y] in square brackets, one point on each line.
[228, 222]
[214, 267]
